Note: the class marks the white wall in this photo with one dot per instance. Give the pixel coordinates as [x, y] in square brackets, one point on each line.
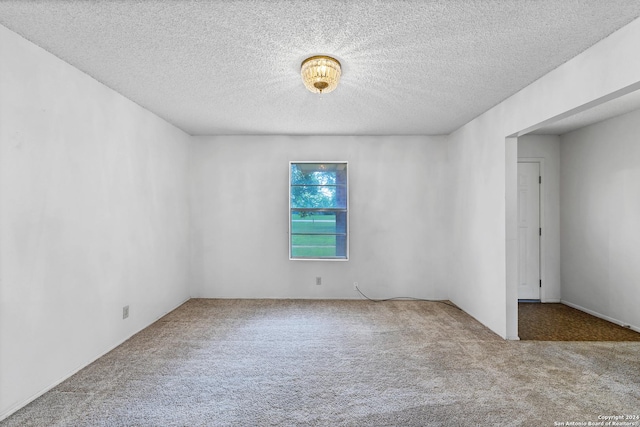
[546, 149]
[398, 237]
[481, 201]
[600, 205]
[93, 199]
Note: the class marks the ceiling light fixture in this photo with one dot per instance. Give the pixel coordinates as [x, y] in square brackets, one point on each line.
[320, 74]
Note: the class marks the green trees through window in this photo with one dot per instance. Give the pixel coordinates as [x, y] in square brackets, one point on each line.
[318, 210]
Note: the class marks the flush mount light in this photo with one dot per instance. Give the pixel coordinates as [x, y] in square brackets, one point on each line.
[320, 74]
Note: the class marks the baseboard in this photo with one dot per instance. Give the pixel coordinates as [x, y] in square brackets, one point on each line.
[551, 301]
[28, 400]
[512, 338]
[358, 297]
[601, 316]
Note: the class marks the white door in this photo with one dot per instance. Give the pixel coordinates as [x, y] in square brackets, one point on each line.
[529, 231]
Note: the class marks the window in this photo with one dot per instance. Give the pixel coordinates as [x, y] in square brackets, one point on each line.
[318, 211]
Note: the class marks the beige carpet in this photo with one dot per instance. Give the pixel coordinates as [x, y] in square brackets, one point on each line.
[334, 363]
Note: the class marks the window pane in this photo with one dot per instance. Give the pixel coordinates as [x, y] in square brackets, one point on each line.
[313, 246]
[318, 222]
[319, 196]
[318, 173]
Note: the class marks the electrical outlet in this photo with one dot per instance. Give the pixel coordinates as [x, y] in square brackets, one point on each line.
[318, 280]
[355, 286]
[125, 311]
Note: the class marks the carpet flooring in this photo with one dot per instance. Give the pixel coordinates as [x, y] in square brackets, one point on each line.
[559, 322]
[339, 363]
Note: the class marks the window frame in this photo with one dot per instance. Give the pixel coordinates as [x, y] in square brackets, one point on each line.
[346, 210]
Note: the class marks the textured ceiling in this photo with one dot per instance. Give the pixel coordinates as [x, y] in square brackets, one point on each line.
[232, 67]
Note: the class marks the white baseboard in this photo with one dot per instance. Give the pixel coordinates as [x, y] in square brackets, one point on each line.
[28, 400]
[553, 300]
[601, 316]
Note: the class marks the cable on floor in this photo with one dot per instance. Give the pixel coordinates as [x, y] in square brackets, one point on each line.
[408, 298]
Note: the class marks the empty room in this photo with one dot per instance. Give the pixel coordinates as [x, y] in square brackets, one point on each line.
[377, 213]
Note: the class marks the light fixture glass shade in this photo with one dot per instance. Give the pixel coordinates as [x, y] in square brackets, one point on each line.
[320, 74]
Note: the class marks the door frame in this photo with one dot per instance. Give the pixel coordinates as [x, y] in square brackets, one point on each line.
[542, 220]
